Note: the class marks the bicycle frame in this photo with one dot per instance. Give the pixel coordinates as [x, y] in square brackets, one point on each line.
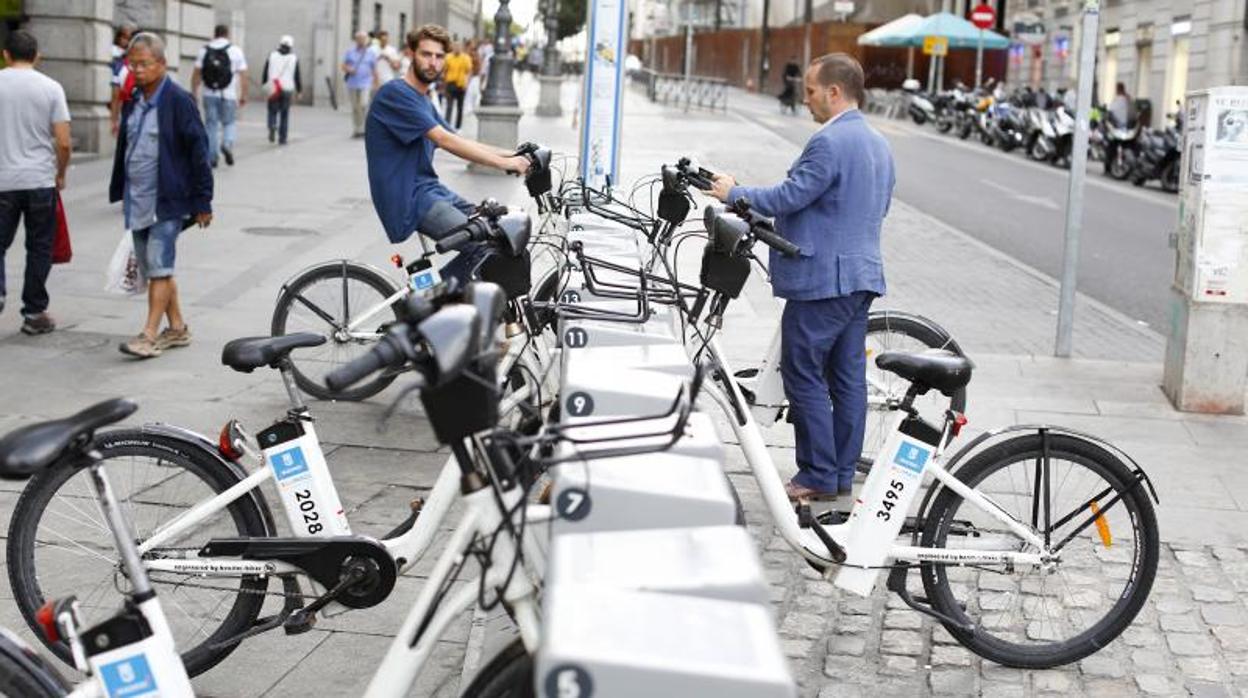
[807, 543]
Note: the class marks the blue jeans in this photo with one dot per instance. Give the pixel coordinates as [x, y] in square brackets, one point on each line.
[38, 207]
[220, 114]
[442, 218]
[279, 113]
[155, 248]
[823, 362]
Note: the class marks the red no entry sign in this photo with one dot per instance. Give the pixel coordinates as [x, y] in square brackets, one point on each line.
[983, 16]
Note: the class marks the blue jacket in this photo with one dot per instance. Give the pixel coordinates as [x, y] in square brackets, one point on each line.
[185, 184]
[831, 204]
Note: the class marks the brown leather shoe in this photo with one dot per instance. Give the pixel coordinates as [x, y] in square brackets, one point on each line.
[801, 493]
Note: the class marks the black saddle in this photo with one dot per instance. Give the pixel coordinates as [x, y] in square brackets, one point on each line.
[27, 450]
[246, 354]
[939, 370]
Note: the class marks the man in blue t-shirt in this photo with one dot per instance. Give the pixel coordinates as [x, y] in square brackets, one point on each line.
[401, 133]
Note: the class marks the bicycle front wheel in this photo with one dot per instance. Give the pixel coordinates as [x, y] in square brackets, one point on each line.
[887, 331]
[509, 674]
[346, 303]
[1098, 519]
[24, 674]
[59, 543]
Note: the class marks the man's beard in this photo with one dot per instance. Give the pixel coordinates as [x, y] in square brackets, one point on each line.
[427, 78]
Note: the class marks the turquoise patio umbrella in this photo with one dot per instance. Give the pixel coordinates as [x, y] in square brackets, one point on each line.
[959, 32]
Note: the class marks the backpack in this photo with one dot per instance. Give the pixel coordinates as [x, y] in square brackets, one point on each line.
[218, 69]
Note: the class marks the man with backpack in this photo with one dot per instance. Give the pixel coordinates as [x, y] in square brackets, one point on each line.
[222, 70]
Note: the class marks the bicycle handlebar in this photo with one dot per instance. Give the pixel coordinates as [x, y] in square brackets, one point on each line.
[389, 353]
[453, 241]
[768, 237]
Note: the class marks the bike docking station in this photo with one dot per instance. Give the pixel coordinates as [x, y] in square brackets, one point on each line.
[653, 585]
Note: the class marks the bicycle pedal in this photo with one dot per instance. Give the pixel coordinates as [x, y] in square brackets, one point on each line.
[299, 622]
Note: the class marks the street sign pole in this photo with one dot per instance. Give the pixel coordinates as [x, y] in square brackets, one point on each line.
[979, 60]
[1078, 173]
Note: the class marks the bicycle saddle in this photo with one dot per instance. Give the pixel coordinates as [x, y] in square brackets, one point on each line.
[246, 354]
[27, 450]
[941, 370]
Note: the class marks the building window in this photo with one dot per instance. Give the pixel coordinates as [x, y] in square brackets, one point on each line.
[376, 17]
[355, 16]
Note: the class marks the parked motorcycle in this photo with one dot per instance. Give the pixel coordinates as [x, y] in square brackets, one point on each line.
[1158, 156]
[1009, 126]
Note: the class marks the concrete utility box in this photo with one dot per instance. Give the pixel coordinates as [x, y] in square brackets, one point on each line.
[716, 562]
[1207, 347]
[608, 643]
[656, 490]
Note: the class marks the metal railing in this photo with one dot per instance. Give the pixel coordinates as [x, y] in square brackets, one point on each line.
[681, 91]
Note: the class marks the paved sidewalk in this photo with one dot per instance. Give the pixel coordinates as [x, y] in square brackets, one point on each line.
[280, 210]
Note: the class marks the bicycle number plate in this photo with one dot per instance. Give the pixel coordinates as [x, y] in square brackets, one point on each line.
[303, 480]
[881, 509]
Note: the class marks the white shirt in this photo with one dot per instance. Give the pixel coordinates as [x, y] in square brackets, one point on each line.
[833, 119]
[238, 62]
[385, 69]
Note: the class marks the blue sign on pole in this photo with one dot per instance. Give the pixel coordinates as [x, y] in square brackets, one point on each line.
[602, 92]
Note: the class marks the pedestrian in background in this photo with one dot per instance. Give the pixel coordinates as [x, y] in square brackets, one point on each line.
[389, 61]
[34, 152]
[458, 66]
[162, 176]
[831, 205]
[281, 84]
[121, 83]
[1120, 107]
[222, 70]
[473, 93]
[358, 67]
[485, 53]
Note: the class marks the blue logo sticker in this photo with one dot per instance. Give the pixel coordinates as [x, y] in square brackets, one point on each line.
[912, 457]
[422, 281]
[288, 464]
[129, 678]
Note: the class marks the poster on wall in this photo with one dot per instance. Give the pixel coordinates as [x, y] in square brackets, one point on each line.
[602, 92]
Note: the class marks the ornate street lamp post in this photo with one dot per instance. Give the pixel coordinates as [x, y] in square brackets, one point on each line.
[552, 69]
[499, 90]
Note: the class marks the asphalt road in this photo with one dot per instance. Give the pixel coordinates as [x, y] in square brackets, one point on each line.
[1019, 207]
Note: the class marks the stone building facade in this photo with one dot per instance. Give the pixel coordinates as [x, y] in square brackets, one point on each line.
[1158, 49]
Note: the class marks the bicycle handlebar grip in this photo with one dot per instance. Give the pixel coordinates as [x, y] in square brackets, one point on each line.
[453, 242]
[381, 356]
[776, 242]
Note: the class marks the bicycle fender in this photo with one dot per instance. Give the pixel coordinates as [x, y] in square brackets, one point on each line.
[950, 342]
[208, 447]
[32, 663]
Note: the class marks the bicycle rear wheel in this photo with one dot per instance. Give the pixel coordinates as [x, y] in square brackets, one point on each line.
[888, 331]
[59, 544]
[326, 300]
[1099, 518]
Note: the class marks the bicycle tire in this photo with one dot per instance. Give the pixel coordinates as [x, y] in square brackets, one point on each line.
[925, 333]
[24, 674]
[245, 515]
[1145, 544]
[508, 674]
[313, 383]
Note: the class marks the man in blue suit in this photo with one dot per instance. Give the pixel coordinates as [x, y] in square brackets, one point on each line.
[831, 204]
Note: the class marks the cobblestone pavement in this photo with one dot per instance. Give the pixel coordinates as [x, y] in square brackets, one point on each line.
[1191, 637]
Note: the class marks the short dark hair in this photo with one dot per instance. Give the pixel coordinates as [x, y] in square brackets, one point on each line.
[22, 46]
[382, 32]
[220, 31]
[844, 71]
[430, 32]
[125, 29]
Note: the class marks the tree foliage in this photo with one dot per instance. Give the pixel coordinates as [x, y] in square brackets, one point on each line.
[571, 15]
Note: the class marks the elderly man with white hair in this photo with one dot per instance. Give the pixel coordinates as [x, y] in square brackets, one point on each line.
[281, 85]
[359, 67]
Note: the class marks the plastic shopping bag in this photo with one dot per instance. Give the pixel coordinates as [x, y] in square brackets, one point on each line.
[124, 276]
